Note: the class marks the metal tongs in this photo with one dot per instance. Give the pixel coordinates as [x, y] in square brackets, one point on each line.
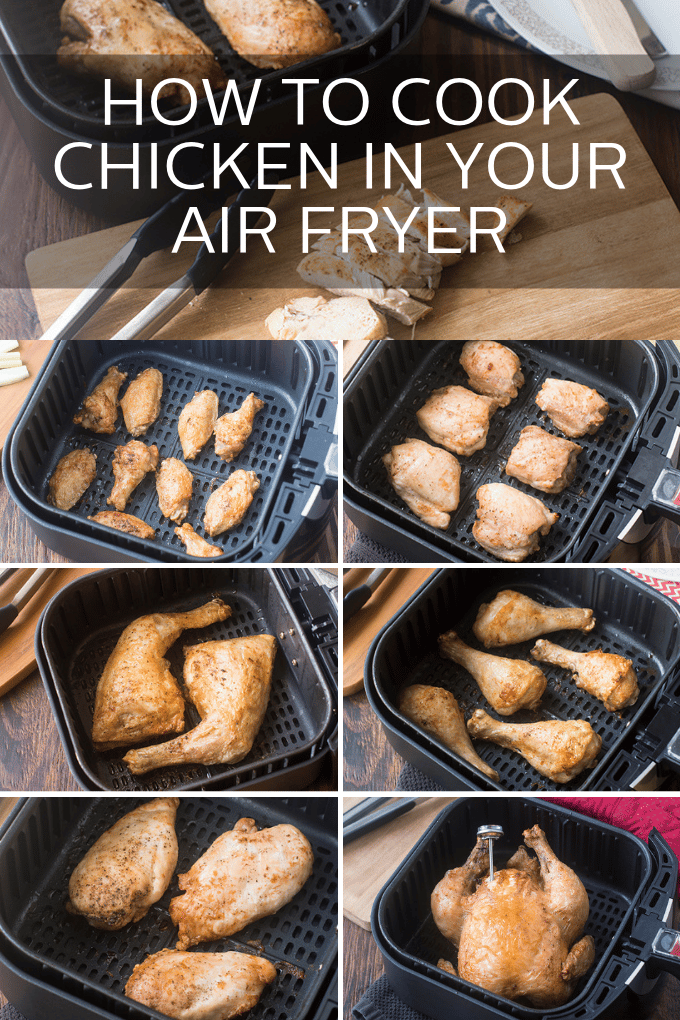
[490, 833]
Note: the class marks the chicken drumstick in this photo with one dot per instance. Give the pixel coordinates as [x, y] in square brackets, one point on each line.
[510, 618]
[609, 678]
[507, 684]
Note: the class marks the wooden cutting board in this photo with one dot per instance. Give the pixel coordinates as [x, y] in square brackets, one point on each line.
[371, 859]
[358, 632]
[569, 239]
[17, 653]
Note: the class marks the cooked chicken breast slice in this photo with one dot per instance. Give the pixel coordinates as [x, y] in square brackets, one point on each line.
[426, 478]
[515, 209]
[100, 408]
[419, 228]
[71, 478]
[275, 33]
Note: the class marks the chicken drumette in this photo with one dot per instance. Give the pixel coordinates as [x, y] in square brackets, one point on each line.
[174, 484]
[437, 712]
[511, 618]
[195, 544]
[492, 369]
[100, 408]
[196, 422]
[509, 522]
[130, 464]
[141, 403]
[544, 461]
[574, 409]
[457, 419]
[609, 678]
[275, 33]
[507, 684]
[123, 522]
[232, 430]
[72, 476]
[228, 505]
[426, 478]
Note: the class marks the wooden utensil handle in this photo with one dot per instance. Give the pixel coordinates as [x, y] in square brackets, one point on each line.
[613, 35]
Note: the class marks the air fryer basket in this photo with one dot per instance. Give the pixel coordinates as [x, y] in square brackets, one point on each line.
[632, 620]
[83, 622]
[48, 837]
[382, 398]
[624, 879]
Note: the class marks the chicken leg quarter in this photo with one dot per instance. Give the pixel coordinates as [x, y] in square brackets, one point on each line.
[436, 711]
[511, 618]
[507, 684]
[128, 868]
[245, 875]
[137, 696]
[609, 678]
[229, 683]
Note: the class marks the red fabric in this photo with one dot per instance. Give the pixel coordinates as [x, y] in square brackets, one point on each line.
[638, 815]
[669, 588]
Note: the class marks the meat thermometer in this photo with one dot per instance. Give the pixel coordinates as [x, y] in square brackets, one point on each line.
[490, 833]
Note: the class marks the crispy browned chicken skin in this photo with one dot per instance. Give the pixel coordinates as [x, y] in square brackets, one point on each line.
[127, 523]
[195, 544]
[437, 712]
[72, 476]
[507, 684]
[130, 464]
[509, 521]
[141, 402]
[100, 408]
[274, 33]
[511, 618]
[233, 430]
[174, 484]
[608, 677]
[228, 505]
[196, 422]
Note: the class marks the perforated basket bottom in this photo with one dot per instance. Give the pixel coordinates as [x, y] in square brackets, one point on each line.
[561, 700]
[599, 452]
[301, 937]
[264, 453]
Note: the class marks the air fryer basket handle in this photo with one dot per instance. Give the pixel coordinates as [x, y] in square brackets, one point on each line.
[665, 951]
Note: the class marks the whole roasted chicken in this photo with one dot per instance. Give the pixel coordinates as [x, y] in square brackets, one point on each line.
[519, 934]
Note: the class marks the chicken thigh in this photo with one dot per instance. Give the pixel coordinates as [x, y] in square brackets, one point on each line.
[492, 369]
[174, 484]
[557, 749]
[200, 986]
[245, 875]
[519, 934]
[507, 684]
[228, 505]
[195, 544]
[229, 683]
[511, 618]
[196, 422]
[130, 464]
[274, 33]
[609, 678]
[457, 419]
[426, 478]
[123, 522]
[138, 697]
[141, 402]
[509, 522]
[232, 430]
[436, 711]
[71, 478]
[100, 408]
[129, 867]
[544, 461]
[574, 409]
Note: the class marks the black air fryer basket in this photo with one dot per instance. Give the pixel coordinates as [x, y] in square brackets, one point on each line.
[623, 470]
[83, 622]
[633, 620]
[631, 887]
[54, 965]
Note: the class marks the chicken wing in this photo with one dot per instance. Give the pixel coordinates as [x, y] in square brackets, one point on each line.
[141, 403]
[507, 684]
[129, 867]
[72, 476]
[544, 461]
[492, 369]
[100, 408]
[130, 464]
[196, 422]
[274, 33]
[227, 506]
[609, 678]
[195, 544]
[574, 409]
[200, 986]
[436, 711]
[128, 523]
[138, 697]
[245, 875]
[426, 478]
[511, 618]
[232, 430]
[130, 39]
[229, 683]
[174, 484]
[509, 522]
[457, 419]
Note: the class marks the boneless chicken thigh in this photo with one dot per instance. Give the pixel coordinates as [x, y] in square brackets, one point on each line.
[492, 369]
[509, 522]
[426, 478]
[544, 461]
[457, 419]
[574, 409]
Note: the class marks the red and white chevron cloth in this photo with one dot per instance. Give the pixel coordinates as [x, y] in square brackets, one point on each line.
[669, 588]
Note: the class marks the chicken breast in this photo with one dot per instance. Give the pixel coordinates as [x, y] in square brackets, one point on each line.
[233, 430]
[99, 412]
[174, 484]
[129, 867]
[228, 505]
[141, 403]
[196, 422]
[130, 464]
[71, 478]
[195, 544]
[128, 523]
[509, 522]
[457, 419]
[274, 33]
[245, 875]
[426, 478]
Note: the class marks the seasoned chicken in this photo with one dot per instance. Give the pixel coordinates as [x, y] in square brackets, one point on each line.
[100, 408]
[227, 506]
[509, 522]
[195, 544]
[130, 464]
[457, 419]
[436, 711]
[402, 204]
[397, 261]
[245, 875]
[138, 697]
[519, 934]
[544, 461]
[232, 430]
[73, 475]
[129, 867]
[492, 369]
[229, 683]
[609, 678]
[174, 484]
[200, 986]
[515, 209]
[507, 684]
[128, 523]
[574, 409]
[426, 478]
[141, 403]
[196, 422]
[557, 749]
[274, 33]
[511, 618]
[129, 39]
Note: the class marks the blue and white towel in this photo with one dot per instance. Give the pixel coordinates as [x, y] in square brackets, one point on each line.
[482, 14]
